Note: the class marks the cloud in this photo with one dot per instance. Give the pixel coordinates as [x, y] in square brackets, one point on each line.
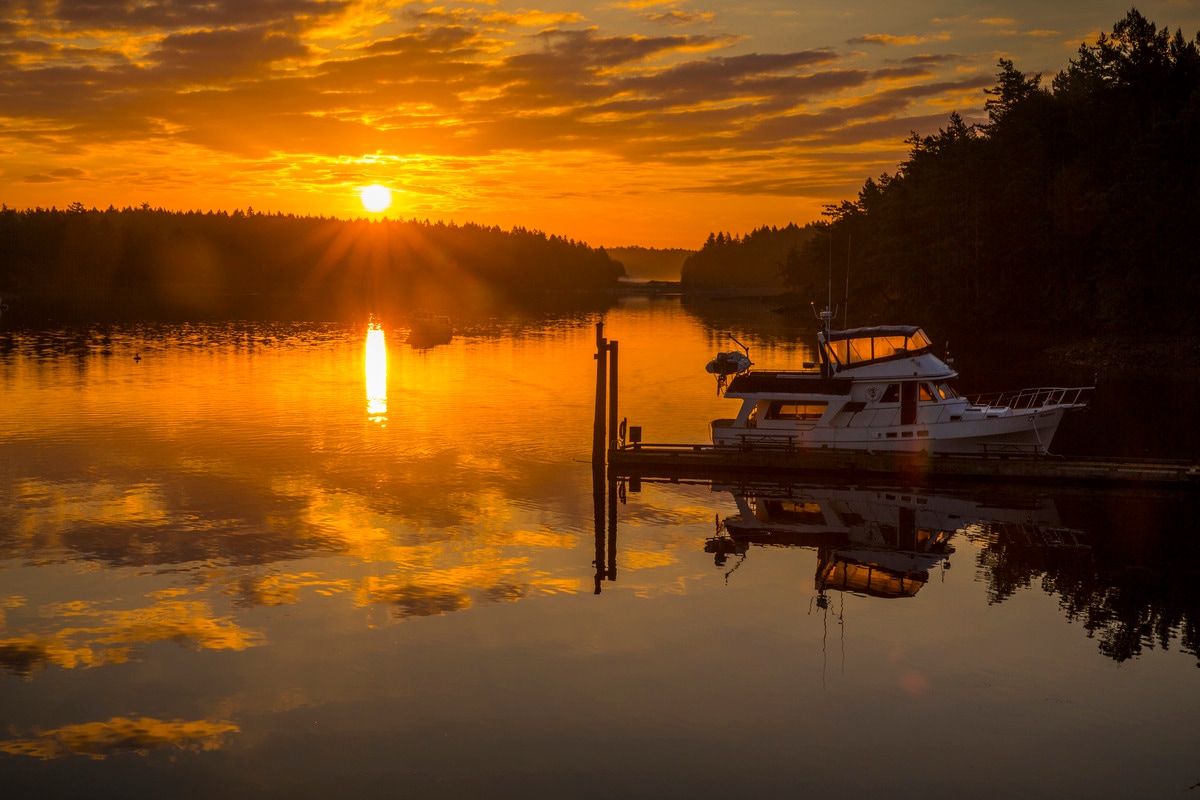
[156, 95]
[676, 17]
[226, 53]
[933, 59]
[889, 40]
[533, 19]
[134, 15]
[638, 5]
[572, 89]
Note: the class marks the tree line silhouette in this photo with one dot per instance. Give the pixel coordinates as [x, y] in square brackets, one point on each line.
[1075, 208]
[752, 261]
[88, 263]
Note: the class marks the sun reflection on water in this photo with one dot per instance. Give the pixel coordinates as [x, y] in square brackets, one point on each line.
[376, 369]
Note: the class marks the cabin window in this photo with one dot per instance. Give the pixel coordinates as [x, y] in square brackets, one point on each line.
[810, 412]
[891, 394]
[891, 346]
[946, 391]
[861, 350]
[927, 394]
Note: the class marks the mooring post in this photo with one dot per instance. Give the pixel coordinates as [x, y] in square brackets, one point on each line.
[598, 435]
[612, 394]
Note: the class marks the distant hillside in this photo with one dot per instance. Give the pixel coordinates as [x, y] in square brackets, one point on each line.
[649, 263]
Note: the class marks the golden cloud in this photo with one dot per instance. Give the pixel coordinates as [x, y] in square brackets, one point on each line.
[890, 40]
[158, 100]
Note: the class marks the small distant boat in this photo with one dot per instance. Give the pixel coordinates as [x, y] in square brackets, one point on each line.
[427, 332]
[882, 389]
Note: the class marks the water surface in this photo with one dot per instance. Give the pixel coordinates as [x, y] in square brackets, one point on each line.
[251, 559]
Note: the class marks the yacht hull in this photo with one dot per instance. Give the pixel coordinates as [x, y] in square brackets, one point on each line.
[1025, 431]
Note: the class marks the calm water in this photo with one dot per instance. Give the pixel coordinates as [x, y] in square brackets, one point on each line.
[310, 561]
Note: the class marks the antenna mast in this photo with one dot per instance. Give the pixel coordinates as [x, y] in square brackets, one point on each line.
[846, 296]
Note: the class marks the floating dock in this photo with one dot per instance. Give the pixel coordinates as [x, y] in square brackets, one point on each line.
[681, 461]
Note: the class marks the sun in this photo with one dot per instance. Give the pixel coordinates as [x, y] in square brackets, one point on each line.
[375, 197]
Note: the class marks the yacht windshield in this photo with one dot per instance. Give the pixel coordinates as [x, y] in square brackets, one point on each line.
[871, 344]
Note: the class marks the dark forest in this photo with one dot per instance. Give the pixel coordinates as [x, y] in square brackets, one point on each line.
[1074, 209]
[751, 261]
[90, 264]
[1075, 206]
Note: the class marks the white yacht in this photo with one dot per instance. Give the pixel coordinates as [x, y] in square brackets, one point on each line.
[882, 389]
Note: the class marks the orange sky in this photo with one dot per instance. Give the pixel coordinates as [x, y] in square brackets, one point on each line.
[640, 122]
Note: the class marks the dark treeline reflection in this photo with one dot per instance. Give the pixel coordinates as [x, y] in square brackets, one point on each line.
[1122, 565]
[155, 263]
[1132, 587]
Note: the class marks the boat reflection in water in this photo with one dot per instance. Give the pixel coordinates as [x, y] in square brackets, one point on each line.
[877, 542]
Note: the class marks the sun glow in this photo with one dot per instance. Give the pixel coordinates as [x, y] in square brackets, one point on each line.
[375, 198]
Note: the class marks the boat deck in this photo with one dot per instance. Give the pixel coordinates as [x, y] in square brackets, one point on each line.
[707, 461]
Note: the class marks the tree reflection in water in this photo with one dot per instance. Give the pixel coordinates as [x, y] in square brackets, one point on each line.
[1132, 585]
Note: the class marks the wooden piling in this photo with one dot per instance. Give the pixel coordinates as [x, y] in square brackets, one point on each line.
[599, 439]
[605, 518]
[612, 395]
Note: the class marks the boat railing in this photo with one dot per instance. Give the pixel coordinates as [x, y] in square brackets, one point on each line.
[781, 442]
[1043, 397]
